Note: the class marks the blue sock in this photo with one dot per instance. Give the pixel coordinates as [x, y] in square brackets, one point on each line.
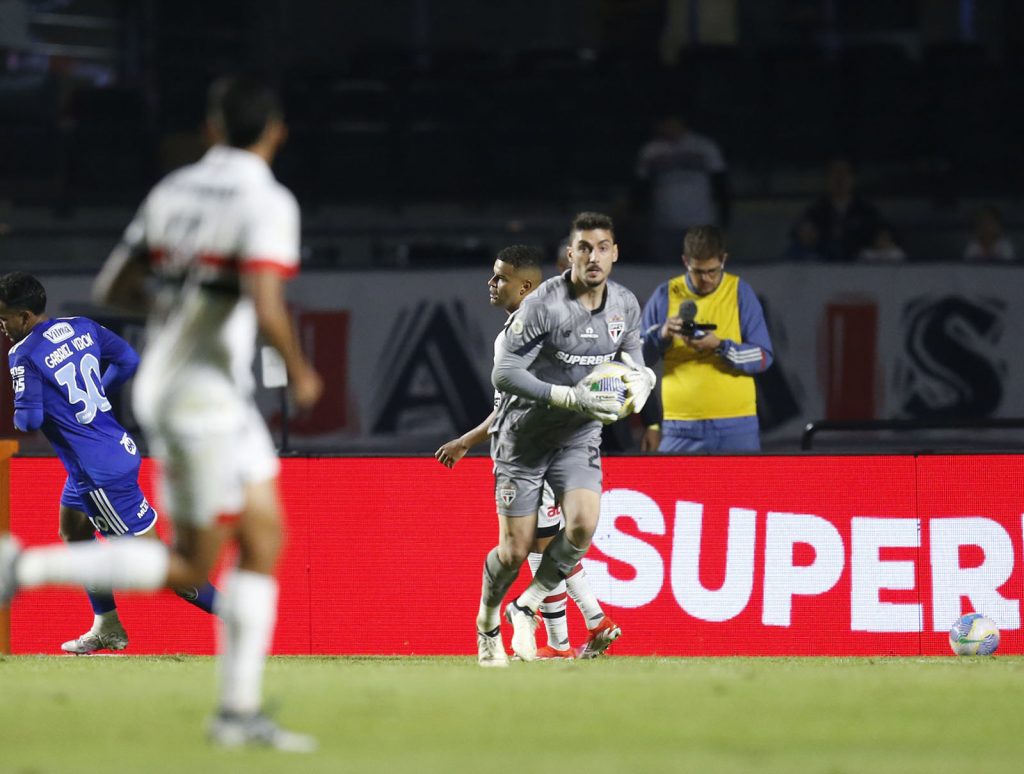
[203, 598]
[101, 601]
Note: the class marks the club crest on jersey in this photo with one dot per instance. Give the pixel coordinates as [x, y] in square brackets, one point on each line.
[506, 496]
[59, 332]
[128, 443]
[615, 329]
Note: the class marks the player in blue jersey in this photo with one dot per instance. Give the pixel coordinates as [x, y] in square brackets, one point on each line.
[62, 370]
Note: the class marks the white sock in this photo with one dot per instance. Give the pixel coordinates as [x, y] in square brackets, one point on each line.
[106, 566]
[532, 596]
[488, 618]
[552, 610]
[247, 606]
[105, 622]
[581, 593]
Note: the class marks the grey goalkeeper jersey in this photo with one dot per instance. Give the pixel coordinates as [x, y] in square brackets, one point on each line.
[553, 339]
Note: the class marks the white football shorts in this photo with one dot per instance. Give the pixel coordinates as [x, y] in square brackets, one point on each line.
[211, 443]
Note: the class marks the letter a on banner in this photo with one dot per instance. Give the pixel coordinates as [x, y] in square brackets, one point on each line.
[426, 371]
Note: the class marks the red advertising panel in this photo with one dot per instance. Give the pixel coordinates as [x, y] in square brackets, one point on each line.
[693, 556]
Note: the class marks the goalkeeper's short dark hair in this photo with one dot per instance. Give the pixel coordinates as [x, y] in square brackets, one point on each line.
[241, 107]
[521, 256]
[592, 221]
[19, 290]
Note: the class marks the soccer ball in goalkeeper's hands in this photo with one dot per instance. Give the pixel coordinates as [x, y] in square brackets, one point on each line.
[607, 377]
[974, 635]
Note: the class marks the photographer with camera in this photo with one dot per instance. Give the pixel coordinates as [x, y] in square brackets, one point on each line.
[709, 329]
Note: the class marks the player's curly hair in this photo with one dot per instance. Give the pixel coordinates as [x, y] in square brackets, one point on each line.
[19, 290]
[703, 242]
[521, 256]
[592, 221]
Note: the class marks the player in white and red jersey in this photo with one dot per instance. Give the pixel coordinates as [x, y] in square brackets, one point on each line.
[219, 237]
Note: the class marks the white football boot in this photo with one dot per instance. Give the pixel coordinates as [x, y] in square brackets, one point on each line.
[490, 651]
[524, 626]
[90, 642]
[228, 729]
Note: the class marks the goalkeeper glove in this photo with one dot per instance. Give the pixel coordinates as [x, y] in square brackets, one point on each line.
[602, 405]
[639, 381]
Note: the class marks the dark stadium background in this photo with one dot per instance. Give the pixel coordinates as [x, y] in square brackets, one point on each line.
[428, 134]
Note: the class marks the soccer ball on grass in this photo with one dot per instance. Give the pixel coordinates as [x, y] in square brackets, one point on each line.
[974, 635]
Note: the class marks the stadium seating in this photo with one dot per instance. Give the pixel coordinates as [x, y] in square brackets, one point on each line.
[397, 126]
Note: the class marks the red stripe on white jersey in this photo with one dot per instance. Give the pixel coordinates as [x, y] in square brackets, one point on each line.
[253, 266]
[233, 263]
[250, 266]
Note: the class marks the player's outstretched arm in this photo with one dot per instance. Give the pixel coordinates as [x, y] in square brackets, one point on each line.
[122, 281]
[455, 449]
[267, 291]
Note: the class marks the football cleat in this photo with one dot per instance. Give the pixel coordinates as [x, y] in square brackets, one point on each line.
[188, 593]
[10, 548]
[547, 652]
[90, 642]
[229, 729]
[490, 651]
[524, 624]
[601, 636]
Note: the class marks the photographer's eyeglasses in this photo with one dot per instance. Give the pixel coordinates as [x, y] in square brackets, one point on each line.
[707, 273]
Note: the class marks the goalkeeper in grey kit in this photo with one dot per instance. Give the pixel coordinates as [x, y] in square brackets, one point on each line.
[548, 423]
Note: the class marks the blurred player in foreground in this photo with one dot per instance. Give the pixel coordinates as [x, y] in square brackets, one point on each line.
[547, 426]
[515, 275]
[219, 236]
[62, 370]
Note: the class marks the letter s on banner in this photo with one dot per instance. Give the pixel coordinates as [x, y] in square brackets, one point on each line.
[642, 557]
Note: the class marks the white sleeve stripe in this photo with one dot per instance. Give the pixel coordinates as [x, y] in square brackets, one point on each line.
[745, 357]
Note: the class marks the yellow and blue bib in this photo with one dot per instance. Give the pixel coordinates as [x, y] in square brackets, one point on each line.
[700, 385]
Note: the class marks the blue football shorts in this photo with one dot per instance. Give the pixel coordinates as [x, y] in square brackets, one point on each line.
[115, 510]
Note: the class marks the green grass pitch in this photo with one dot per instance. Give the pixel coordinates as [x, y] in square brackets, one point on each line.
[622, 715]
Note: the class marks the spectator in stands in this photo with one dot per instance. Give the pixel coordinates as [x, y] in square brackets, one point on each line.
[884, 247]
[989, 242]
[682, 174]
[846, 222]
[805, 243]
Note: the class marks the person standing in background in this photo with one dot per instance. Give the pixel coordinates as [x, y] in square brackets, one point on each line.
[708, 396]
[683, 176]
